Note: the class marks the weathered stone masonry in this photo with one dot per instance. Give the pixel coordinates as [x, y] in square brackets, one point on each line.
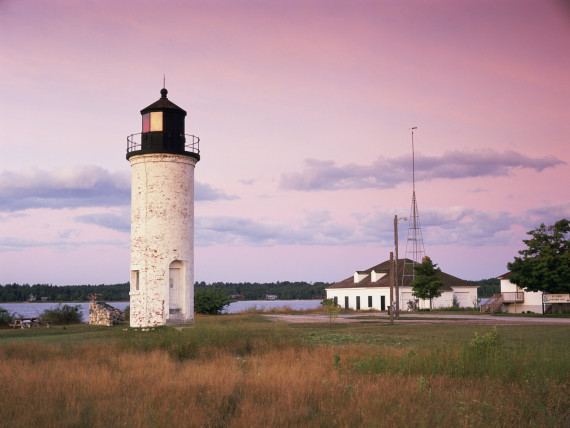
[100, 313]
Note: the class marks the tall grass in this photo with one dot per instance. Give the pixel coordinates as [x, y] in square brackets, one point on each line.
[239, 371]
[205, 340]
[483, 357]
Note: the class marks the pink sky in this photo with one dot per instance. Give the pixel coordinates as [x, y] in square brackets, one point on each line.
[304, 110]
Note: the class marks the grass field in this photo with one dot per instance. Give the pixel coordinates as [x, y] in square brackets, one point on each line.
[242, 370]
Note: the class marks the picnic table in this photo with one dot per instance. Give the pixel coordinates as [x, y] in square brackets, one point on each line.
[28, 323]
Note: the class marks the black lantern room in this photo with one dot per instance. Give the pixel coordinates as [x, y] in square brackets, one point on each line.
[163, 131]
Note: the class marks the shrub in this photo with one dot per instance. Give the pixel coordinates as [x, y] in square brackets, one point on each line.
[457, 309]
[455, 304]
[5, 317]
[413, 305]
[127, 313]
[62, 315]
[210, 301]
[486, 343]
[331, 309]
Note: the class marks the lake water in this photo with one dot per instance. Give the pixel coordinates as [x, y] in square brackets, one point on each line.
[34, 309]
[244, 305]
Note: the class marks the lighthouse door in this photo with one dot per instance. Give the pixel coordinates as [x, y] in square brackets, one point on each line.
[174, 290]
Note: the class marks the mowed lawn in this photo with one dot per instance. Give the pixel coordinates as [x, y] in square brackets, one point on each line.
[243, 371]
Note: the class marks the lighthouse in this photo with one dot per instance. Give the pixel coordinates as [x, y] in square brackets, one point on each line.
[162, 158]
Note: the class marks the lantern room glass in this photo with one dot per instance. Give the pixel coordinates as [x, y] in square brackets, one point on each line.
[152, 122]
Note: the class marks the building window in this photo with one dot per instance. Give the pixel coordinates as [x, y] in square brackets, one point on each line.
[357, 303]
[135, 280]
[369, 301]
[152, 121]
[345, 302]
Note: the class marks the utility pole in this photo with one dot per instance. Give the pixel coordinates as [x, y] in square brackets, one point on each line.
[391, 287]
[396, 219]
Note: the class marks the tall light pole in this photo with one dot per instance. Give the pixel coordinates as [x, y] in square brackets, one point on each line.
[391, 287]
[396, 219]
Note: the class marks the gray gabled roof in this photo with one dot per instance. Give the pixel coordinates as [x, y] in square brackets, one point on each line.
[449, 281]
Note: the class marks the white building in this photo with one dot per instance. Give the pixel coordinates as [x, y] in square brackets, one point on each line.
[515, 300]
[370, 289]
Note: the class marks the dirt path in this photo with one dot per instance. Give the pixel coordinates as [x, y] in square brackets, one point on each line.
[422, 318]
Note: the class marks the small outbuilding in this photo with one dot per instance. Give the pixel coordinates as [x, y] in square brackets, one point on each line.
[370, 289]
[515, 300]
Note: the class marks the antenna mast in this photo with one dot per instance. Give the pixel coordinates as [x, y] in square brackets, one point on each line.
[415, 243]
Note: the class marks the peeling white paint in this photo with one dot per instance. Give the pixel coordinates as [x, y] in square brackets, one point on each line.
[162, 232]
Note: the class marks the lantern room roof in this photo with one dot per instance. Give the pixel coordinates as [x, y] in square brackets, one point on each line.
[162, 104]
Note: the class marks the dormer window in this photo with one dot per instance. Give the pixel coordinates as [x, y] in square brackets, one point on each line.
[359, 276]
[152, 121]
[376, 276]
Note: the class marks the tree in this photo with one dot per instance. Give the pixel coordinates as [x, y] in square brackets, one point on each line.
[545, 264]
[5, 317]
[331, 309]
[488, 287]
[427, 284]
[65, 314]
[210, 301]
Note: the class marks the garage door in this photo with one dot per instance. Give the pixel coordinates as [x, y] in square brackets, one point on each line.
[406, 297]
[463, 299]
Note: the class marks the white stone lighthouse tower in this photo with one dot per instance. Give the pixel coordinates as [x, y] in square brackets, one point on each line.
[162, 160]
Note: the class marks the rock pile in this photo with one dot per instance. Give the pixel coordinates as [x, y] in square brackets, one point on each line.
[100, 313]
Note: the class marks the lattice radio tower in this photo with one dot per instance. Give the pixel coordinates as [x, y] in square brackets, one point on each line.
[415, 243]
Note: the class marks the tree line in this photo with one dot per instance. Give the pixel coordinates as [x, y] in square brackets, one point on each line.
[63, 293]
[120, 292]
[284, 290]
[488, 287]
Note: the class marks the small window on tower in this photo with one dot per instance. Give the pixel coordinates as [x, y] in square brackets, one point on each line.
[135, 280]
[152, 121]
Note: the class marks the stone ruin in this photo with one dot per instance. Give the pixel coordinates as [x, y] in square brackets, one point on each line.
[100, 313]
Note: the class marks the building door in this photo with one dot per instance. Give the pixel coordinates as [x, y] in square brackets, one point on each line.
[406, 299]
[174, 290]
[382, 303]
[345, 302]
[463, 299]
[357, 303]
